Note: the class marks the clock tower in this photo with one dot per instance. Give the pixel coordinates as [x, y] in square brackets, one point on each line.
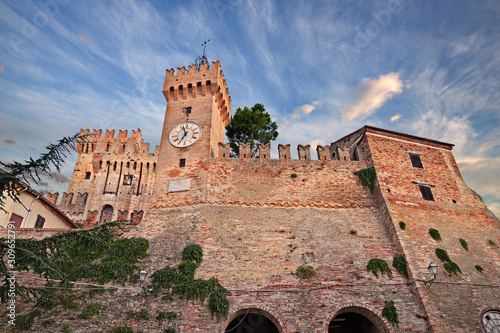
[198, 110]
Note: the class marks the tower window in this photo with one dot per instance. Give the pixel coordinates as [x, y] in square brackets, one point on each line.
[416, 162]
[426, 192]
[87, 175]
[182, 163]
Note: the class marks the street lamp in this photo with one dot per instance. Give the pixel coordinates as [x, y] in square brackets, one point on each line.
[142, 280]
[433, 269]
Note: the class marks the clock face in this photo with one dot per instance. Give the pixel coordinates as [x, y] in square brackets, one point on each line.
[184, 134]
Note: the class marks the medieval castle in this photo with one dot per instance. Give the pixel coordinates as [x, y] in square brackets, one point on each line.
[258, 220]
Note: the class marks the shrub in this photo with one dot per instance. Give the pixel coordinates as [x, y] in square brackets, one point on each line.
[435, 234]
[442, 255]
[402, 225]
[391, 313]
[399, 263]
[464, 244]
[306, 272]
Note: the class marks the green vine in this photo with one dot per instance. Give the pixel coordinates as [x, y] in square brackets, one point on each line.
[442, 255]
[452, 268]
[464, 244]
[24, 322]
[479, 268]
[435, 234]
[376, 265]
[399, 263]
[367, 177]
[391, 313]
[402, 225]
[449, 266]
[304, 272]
[181, 282]
[122, 330]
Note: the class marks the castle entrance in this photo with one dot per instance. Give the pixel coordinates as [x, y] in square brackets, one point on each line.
[253, 321]
[106, 214]
[356, 320]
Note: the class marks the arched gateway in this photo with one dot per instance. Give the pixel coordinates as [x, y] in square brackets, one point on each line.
[253, 321]
[356, 320]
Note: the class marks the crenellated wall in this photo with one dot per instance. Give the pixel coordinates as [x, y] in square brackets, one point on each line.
[112, 172]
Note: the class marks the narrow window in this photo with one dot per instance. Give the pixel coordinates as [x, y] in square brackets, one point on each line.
[154, 167]
[135, 165]
[426, 192]
[40, 221]
[333, 156]
[114, 166]
[16, 220]
[107, 147]
[100, 165]
[223, 154]
[355, 156]
[182, 163]
[87, 175]
[416, 162]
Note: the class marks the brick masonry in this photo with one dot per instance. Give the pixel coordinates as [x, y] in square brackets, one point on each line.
[257, 220]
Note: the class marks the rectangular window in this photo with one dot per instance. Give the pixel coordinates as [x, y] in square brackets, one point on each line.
[17, 220]
[416, 162]
[426, 192]
[40, 221]
[182, 163]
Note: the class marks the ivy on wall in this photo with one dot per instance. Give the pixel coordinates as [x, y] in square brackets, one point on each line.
[391, 313]
[304, 272]
[449, 266]
[435, 234]
[180, 281]
[464, 244]
[367, 177]
[376, 265]
[399, 263]
[402, 225]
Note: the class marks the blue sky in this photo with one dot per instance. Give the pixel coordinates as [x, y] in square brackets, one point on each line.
[321, 68]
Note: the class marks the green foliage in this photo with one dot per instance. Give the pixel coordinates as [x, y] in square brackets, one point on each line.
[464, 244]
[140, 315]
[182, 282]
[122, 329]
[399, 263]
[442, 255]
[294, 175]
[10, 182]
[452, 268]
[93, 254]
[24, 322]
[304, 272]
[91, 310]
[251, 125]
[402, 225]
[391, 313]
[48, 322]
[168, 315]
[193, 252]
[435, 234]
[479, 268]
[367, 177]
[67, 330]
[69, 303]
[46, 299]
[170, 330]
[376, 265]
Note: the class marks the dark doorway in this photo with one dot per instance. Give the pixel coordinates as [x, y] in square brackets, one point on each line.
[106, 214]
[251, 323]
[350, 322]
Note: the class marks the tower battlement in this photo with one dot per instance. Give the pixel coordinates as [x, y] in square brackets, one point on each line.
[193, 83]
[109, 143]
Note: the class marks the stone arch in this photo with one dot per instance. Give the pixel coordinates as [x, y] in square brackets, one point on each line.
[253, 320]
[106, 214]
[367, 320]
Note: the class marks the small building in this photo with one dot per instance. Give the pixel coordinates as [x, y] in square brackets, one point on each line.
[33, 211]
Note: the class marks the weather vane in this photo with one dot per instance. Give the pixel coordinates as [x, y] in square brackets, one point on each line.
[203, 59]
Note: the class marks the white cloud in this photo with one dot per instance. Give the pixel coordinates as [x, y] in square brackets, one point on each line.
[371, 94]
[395, 118]
[305, 109]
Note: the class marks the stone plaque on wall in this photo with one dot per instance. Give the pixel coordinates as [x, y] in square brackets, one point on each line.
[178, 185]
